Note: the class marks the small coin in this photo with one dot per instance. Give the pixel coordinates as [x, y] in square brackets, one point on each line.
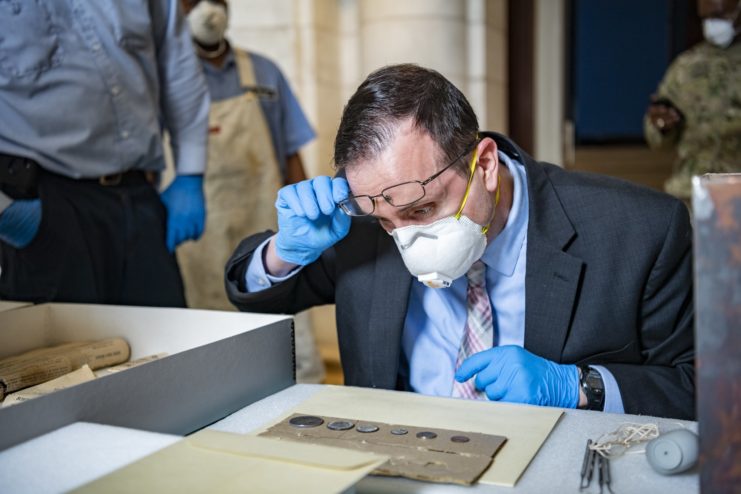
[306, 421]
[426, 435]
[460, 439]
[366, 428]
[399, 432]
[340, 425]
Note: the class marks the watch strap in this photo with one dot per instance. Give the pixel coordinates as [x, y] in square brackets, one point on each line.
[590, 381]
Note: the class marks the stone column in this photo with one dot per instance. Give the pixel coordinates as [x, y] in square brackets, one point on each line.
[431, 33]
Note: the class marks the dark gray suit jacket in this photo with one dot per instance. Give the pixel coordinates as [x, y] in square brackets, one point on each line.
[608, 282]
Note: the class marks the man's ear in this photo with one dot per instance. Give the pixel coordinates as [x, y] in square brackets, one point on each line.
[489, 163]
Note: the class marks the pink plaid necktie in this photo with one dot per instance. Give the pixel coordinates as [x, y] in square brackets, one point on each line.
[478, 334]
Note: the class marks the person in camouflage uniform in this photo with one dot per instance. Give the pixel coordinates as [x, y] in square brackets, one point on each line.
[697, 107]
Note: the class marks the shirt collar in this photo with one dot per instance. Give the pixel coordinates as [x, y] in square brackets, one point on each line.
[503, 252]
[229, 63]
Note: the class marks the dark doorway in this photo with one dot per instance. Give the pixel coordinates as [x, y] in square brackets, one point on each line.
[521, 72]
[619, 53]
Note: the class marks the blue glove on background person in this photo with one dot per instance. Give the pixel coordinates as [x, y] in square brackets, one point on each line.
[20, 222]
[186, 210]
[309, 220]
[511, 373]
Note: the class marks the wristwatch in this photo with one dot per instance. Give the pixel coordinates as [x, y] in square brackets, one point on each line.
[590, 381]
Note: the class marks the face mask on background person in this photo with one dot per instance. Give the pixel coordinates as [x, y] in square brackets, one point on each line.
[720, 32]
[444, 250]
[208, 22]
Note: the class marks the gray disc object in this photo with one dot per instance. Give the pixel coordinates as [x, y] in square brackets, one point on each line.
[367, 428]
[306, 421]
[673, 452]
[340, 425]
[399, 432]
[426, 435]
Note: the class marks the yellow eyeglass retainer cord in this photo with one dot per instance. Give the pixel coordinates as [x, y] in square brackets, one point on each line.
[474, 161]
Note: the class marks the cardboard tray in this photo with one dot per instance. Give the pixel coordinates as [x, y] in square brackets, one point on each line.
[217, 363]
[8, 305]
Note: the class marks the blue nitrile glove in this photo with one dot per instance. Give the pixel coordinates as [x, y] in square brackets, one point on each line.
[309, 220]
[511, 373]
[20, 222]
[186, 209]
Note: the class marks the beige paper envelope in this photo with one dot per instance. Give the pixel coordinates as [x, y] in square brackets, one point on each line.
[525, 427]
[212, 461]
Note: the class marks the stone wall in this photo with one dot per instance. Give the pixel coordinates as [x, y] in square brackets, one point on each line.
[327, 47]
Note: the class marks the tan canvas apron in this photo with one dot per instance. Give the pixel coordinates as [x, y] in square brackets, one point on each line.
[241, 184]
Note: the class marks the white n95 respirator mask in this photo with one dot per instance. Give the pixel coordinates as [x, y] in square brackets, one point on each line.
[719, 32]
[442, 251]
[446, 249]
[208, 22]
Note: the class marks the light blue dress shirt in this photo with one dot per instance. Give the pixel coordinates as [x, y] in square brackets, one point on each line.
[436, 317]
[289, 128]
[86, 86]
[433, 329]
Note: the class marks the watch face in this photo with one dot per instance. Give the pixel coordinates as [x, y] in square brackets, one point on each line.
[594, 381]
[593, 388]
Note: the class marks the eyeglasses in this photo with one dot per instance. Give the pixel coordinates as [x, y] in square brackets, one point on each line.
[399, 195]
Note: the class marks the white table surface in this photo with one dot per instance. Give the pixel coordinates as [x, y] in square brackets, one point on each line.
[79, 453]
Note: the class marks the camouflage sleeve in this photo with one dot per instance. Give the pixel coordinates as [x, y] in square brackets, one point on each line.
[670, 89]
[731, 125]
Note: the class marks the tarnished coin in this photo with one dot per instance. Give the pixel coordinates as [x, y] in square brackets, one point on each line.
[366, 428]
[426, 435]
[460, 439]
[306, 421]
[399, 432]
[340, 425]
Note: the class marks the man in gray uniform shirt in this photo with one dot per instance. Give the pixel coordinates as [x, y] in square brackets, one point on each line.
[86, 89]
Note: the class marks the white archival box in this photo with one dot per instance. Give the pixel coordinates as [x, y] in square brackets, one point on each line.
[217, 362]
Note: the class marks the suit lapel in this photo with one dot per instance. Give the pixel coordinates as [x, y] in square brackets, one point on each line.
[390, 300]
[552, 276]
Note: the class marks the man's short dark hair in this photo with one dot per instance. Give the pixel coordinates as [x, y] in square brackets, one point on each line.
[396, 93]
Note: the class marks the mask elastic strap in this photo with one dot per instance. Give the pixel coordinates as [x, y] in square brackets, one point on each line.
[474, 161]
[496, 203]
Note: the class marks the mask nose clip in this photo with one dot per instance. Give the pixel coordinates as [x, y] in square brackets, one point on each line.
[406, 236]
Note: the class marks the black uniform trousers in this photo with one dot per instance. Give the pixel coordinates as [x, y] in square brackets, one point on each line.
[96, 243]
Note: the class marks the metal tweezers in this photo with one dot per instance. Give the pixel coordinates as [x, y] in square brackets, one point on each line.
[592, 459]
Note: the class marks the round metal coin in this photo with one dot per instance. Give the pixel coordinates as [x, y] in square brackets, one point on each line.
[460, 439]
[426, 435]
[366, 428]
[306, 421]
[340, 425]
[399, 432]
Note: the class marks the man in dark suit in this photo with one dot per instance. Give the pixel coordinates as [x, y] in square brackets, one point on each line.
[577, 289]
